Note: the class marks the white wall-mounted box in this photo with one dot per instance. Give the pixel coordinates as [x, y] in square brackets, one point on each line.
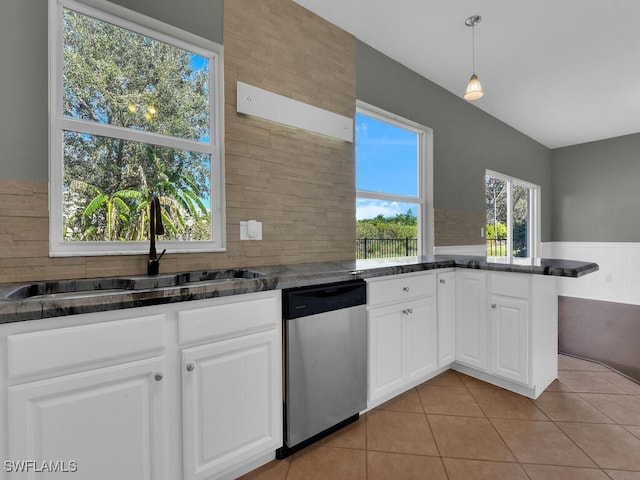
[277, 108]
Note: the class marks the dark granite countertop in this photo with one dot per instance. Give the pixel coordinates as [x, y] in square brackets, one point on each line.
[39, 300]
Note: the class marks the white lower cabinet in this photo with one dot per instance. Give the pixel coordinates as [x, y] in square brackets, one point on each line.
[186, 391]
[446, 303]
[230, 409]
[507, 330]
[471, 319]
[104, 423]
[510, 338]
[421, 339]
[403, 334]
[386, 352]
[231, 364]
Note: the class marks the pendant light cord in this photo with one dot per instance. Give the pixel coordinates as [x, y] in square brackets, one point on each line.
[473, 47]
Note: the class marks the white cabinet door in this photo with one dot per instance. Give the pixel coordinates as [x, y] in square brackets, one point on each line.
[446, 318]
[231, 406]
[510, 338]
[385, 351]
[471, 319]
[108, 420]
[421, 339]
[403, 343]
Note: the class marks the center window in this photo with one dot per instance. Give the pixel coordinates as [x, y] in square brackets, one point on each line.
[391, 164]
[134, 115]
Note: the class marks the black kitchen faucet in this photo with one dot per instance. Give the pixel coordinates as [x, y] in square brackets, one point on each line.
[155, 228]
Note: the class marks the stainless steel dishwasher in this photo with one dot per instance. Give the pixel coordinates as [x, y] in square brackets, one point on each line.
[325, 348]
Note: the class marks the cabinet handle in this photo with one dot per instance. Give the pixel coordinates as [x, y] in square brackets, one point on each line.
[190, 367]
[443, 281]
[493, 305]
[407, 311]
[410, 311]
[406, 289]
[158, 376]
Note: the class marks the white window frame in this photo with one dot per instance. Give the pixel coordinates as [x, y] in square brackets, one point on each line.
[424, 199]
[534, 213]
[58, 123]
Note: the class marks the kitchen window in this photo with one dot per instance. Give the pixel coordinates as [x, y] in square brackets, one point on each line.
[135, 111]
[513, 223]
[394, 185]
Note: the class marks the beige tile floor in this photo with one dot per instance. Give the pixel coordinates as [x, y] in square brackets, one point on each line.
[585, 426]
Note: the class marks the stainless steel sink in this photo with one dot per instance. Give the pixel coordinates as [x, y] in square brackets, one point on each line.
[104, 286]
[67, 287]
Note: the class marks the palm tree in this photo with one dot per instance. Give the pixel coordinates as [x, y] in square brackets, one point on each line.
[117, 210]
[178, 193]
[126, 211]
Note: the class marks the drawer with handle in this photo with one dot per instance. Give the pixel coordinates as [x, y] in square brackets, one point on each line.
[400, 288]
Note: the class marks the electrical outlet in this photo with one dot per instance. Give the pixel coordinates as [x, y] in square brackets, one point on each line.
[250, 230]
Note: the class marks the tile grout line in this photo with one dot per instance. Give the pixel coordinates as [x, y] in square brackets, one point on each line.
[426, 416]
[594, 406]
[496, 430]
[555, 423]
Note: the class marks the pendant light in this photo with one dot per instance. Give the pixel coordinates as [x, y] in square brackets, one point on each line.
[474, 88]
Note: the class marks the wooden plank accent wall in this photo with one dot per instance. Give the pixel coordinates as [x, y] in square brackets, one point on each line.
[300, 185]
[454, 227]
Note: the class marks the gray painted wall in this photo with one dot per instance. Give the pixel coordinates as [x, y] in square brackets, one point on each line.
[596, 191]
[202, 17]
[467, 141]
[24, 90]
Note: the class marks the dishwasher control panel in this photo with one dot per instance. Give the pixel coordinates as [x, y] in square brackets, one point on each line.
[305, 301]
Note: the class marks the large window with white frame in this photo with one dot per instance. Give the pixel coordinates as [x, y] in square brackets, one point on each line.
[394, 185]
[135, 112]
[513, 218]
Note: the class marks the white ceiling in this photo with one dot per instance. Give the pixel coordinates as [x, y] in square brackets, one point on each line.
[560, 71]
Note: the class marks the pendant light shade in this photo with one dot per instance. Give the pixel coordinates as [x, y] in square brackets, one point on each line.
[474, 87]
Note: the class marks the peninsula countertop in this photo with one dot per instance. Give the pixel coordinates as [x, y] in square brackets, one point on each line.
[40, 300]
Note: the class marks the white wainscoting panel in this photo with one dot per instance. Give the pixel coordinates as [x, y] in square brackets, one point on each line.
[618, 279]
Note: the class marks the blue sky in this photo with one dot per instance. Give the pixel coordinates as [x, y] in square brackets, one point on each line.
[386, 161]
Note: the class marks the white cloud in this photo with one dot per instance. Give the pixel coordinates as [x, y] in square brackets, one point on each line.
[373, 208]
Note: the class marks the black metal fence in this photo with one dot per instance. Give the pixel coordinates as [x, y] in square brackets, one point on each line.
[407, 247]
[386, 247]
[496, 248]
